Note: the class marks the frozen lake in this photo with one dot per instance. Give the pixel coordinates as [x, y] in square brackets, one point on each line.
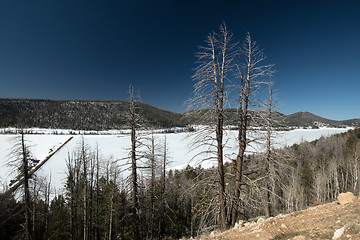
[117, 146]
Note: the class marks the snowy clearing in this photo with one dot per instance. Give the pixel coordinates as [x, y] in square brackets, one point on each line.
[117, 146]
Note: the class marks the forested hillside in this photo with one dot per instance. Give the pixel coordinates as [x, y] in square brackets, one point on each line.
[182, 202]
[105, 115]
[81, 115]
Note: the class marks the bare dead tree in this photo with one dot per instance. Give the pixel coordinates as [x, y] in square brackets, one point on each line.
[85, 163]
[152, 185]
[47, 192]
[22, 162]
[251, 73]
[133, 122]
[113, 172]
[25, 168]
[203, 196]
[268, 161]
[164, 163]
[213, 66]
[152, 166]
[356, 170]
[97, 192]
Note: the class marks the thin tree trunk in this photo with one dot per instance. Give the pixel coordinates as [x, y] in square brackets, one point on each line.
[223, 212]
[243, 122]
[111, 215]
[162, 193]
[47, 203]
[239, 170]
[97, 234]
[268, 157]
[219, 109]
[34, 211]
[85, 203]
[215, 62]
[152, 194]
[112, 206]
[134, 193]
[25, 168]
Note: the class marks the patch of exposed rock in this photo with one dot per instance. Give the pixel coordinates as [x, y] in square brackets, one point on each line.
[337, 220]
[346, 198]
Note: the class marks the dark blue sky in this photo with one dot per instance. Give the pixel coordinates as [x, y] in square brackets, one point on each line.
[94, 49]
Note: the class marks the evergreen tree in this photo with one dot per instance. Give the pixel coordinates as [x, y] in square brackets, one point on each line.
[59, 220]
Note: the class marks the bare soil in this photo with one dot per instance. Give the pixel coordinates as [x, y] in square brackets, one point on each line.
[319, 222]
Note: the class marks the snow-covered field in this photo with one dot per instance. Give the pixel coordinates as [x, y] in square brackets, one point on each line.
[116, 146]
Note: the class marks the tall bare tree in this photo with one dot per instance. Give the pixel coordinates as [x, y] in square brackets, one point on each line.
[85, 161]
[153, 166]
[164, 163]
[268, 159]
[113, 173]
[251, 72]
[213, 66]
[22, 162]
[133, 122]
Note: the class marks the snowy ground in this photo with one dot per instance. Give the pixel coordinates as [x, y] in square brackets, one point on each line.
[116, 146]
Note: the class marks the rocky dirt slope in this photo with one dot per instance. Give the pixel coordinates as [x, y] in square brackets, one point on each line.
[336, 220]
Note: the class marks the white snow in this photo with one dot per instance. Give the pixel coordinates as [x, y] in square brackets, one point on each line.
[116, 145]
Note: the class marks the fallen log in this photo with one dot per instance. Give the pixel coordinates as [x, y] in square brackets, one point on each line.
[18, 183]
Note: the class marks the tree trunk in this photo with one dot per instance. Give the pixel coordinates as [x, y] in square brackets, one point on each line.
[47, 203]
[96, 201]
[243, 122]
[239, 170]
[85, 203]
[34, 211]
[268, 157]
[244, 98]
[112, 206]
[222, 199]
[134, 193]
[215, 62]
[219, 102]
[152, 187]
[25, 163]
[162, 192]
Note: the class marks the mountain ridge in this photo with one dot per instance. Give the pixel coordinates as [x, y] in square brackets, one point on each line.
[310, 118]
[112, 114]
[80, 114]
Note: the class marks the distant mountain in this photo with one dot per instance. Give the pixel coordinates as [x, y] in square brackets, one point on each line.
[299, 119]
[309, 119]
[105, 115]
